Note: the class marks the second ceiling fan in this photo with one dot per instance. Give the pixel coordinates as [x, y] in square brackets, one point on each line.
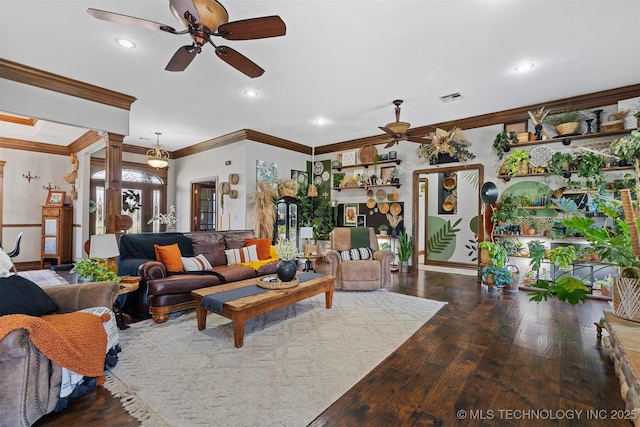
[203, 19]
[399, 131]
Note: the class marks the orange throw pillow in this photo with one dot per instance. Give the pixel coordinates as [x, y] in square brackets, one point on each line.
[262, 247]
[170, 256]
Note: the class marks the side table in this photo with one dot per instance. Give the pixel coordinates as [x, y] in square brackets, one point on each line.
[128, 284]
[311, 261]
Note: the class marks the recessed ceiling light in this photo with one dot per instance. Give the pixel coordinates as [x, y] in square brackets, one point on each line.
[125, 42]
[321, 121]
[251, 93]
[526, 66]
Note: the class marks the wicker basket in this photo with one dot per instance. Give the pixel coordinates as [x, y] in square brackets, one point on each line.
[613, 126]
[568, 128]
[626, 296]
[272, 282]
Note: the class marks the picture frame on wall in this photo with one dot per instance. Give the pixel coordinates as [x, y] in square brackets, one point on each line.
[361, 220]
[350, 214]
[55, 198]
[349, 158]
[517, 127]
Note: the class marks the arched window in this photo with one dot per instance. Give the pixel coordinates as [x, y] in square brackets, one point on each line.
[144, 191]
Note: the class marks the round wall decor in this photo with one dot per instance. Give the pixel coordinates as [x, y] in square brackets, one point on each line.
[233, 194]
[225, 187]
[234, 178]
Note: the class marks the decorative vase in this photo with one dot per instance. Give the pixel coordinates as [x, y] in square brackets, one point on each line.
[286, 270]
[538, 133]
[85, 279]
[404, 266]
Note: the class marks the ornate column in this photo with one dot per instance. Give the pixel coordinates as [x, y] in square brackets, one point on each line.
[113, 183]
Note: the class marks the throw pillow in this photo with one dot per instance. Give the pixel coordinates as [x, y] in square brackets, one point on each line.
[197, 263]
[263, 247]
[356, 254]
[22, 296]
[170, 256]
[246, 254]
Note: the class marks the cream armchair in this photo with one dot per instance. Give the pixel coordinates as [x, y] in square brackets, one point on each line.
[358, 275]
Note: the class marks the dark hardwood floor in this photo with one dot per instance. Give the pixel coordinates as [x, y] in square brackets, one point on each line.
[501, 359]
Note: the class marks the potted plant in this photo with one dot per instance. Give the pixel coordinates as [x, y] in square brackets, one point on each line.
[604, 285]
[405, 248]
[92, 270]
[506, 210]
[493, 275]
[560, 164]
[287, 251]
[383, 229]
[566, 123]
[492, 253]
[637, 116]
[503, 142]
[628, 148]
[591, 165]
[517, 163]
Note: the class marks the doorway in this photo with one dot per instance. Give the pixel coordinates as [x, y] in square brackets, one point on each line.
[204, 204]
[447, 212]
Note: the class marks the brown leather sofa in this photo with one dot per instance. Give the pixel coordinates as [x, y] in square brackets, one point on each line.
[160, 293]
[359, 275]
[29, 381]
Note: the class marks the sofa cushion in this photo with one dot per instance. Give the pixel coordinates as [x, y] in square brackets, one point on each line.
[170, 256]
[233, 273]
[209, 244]
[263, 247]
[197, 263]
[140, 245]
[238, 256]
[235, 239]
[22, 296]
[356, 254]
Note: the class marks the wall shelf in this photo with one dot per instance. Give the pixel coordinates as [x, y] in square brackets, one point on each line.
[367, 187]
[366, 165]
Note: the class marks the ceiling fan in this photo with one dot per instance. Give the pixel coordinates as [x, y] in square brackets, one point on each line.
[399, 131]
[203, 19]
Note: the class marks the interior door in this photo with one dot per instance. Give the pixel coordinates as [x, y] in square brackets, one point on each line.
[203, 199]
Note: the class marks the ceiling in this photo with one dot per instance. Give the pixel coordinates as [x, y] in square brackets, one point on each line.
[341, 60]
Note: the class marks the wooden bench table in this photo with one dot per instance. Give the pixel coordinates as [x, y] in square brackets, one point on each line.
[241, 309]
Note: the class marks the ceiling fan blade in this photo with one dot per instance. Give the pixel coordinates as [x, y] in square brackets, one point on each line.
[387, 130]
[239, 61]
[417, 139]
[182, 58]
[391, 144]
[182, 6]
[254, 28]
[129, 20]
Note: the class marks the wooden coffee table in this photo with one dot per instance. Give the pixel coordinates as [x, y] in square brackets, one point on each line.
[239, 310]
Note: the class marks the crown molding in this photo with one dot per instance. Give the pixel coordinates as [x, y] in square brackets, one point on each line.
[20, 73]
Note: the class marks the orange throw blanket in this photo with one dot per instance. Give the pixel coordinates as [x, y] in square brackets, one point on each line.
[76, 341]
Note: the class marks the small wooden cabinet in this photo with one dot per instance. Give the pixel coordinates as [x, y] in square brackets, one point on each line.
[57, 234]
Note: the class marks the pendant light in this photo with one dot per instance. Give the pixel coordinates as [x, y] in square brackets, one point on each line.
[157, 157]
[313, 190]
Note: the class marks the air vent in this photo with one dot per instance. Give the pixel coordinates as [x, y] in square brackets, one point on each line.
[451, 97]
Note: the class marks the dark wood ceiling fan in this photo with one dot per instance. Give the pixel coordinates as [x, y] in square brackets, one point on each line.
[203, 19]
[399, 131]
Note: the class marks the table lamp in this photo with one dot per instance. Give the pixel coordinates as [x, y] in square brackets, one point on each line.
[307, 233]
[105, 247]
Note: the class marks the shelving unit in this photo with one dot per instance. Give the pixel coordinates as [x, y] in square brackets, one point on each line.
[367, 187]
[366, 165]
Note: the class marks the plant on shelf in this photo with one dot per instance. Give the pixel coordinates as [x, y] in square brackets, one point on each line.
[496, 272]
[560, 164]
[383, 228]
[568, 122]
[506, 210]
[628, 148]
[538, 117]
[517, 163]
[591, 166]
[93, 270]
[503, 142]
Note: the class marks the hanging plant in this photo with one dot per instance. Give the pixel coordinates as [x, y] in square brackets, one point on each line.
[503, 142]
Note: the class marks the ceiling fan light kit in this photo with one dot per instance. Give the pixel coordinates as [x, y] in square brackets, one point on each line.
[157, 157]
[399, 131]
[203, 19]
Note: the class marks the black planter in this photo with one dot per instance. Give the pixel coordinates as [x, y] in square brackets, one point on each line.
[286, 270]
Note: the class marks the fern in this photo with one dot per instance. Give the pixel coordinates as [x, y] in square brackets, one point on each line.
[472, 177]
[443, 237]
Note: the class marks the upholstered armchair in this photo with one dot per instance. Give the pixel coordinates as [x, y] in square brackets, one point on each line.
[352, 272]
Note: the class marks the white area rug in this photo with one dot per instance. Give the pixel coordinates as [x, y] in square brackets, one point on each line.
[295, 362]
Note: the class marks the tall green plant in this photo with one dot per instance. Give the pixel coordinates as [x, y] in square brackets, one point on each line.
[405, 246]
[323, 219]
